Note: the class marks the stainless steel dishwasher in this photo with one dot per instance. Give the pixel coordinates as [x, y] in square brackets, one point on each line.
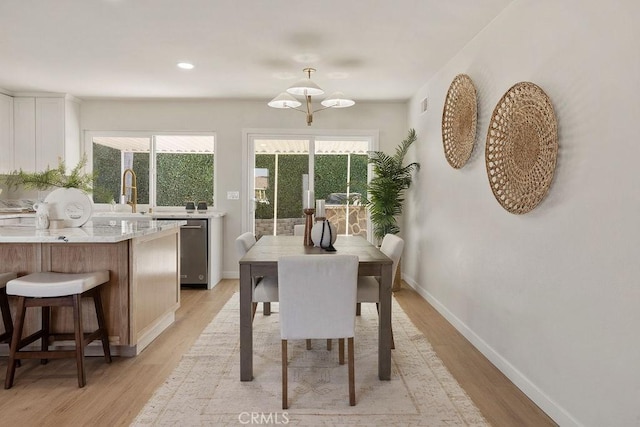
[194, 252]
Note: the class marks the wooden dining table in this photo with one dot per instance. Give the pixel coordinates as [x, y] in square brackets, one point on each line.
[262, 260]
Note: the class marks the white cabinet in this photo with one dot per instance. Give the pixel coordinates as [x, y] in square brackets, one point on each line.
[6, 134]
[45, 129]
[24, 137]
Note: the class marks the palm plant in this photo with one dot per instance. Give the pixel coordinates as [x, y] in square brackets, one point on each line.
[386, 188]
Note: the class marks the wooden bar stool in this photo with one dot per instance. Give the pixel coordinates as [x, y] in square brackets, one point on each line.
[46, 290]
[4, 307]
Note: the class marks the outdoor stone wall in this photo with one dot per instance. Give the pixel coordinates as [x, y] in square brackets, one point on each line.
[335, 213]
[264, 227]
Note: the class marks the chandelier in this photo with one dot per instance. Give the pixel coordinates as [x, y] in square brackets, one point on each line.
[307, 88]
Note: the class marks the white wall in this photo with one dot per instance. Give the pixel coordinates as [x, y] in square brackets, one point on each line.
[228, 119]
[552, 297]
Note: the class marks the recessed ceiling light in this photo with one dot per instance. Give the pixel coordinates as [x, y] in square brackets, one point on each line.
[185, 65]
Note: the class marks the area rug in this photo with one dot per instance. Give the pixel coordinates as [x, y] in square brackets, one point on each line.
[205, 388]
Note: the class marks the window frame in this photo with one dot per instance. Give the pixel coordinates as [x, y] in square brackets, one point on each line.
[88, 151]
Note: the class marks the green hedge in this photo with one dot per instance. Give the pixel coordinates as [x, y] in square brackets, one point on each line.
[331, 176]
[183, 175]
[180, 181]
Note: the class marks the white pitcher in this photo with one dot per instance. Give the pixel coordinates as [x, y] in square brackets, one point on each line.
[42, 215]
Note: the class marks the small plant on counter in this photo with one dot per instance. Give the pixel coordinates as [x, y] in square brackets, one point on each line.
[57, 177]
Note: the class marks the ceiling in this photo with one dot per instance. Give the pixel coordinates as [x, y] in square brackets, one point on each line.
[372, 50]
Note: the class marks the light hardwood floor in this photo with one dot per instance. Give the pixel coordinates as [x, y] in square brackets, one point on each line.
[114, 394]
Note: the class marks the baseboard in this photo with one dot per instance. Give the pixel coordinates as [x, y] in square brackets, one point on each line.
[556, 412]
[231, 274]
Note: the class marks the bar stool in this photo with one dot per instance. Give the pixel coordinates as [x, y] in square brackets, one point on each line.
[4, 307]
[46, 290]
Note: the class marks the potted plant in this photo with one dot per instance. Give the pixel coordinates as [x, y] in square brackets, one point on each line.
[70, 202]
[386, 189]
[53, 178]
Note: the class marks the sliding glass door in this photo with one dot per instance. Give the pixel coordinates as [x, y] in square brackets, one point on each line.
[340, 179]
[281, 168]
[280, 175]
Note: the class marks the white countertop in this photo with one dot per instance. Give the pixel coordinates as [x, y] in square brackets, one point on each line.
[10, 215]
[161, 214]
[97, 230]
[128, 215]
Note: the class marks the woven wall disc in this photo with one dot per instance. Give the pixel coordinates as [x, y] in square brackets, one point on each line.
[522, 147]
[459, 120]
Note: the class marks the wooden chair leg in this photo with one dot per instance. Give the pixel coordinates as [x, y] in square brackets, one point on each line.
[15, 342]
[266, 308]
[285, 404]
[358, 306]
[341, 351]
[6, 317]
[329, 345]
[352, 376]
[79, 337]
[6, 320]
[45, 324]
[393, 343]
[102, 324]
[308, 344]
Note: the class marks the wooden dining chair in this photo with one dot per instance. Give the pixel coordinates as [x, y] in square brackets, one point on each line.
[265, 289]
[369, 286]
[317, 295]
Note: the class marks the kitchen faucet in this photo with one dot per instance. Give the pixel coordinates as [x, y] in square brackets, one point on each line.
[133, 199]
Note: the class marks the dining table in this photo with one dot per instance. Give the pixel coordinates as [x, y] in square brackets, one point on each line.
[262, 260]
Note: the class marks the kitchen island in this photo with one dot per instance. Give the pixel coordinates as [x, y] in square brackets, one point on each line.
[213, 247]
[142, 257]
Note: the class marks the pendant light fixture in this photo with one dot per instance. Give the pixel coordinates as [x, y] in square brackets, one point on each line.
[307, 88]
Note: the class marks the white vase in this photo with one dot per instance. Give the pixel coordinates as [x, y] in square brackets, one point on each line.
[71, 205]
[324, 234]
[42, 215]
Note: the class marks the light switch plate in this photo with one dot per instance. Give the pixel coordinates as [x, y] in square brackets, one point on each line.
[233, 195]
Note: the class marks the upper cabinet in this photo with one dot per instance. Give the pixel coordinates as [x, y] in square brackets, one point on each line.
[6, 133]
[46, 128]
[24, 145]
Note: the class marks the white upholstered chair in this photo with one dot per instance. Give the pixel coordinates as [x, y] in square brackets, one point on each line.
[369, 286]
[265, 289]
[317, 295]
[298, 230]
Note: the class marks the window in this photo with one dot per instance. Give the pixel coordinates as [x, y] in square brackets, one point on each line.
[168, 169]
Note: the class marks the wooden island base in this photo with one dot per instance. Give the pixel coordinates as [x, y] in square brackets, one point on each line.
[139, 300]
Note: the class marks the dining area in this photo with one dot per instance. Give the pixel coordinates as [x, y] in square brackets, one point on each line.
[327, 287]
[304, 336]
